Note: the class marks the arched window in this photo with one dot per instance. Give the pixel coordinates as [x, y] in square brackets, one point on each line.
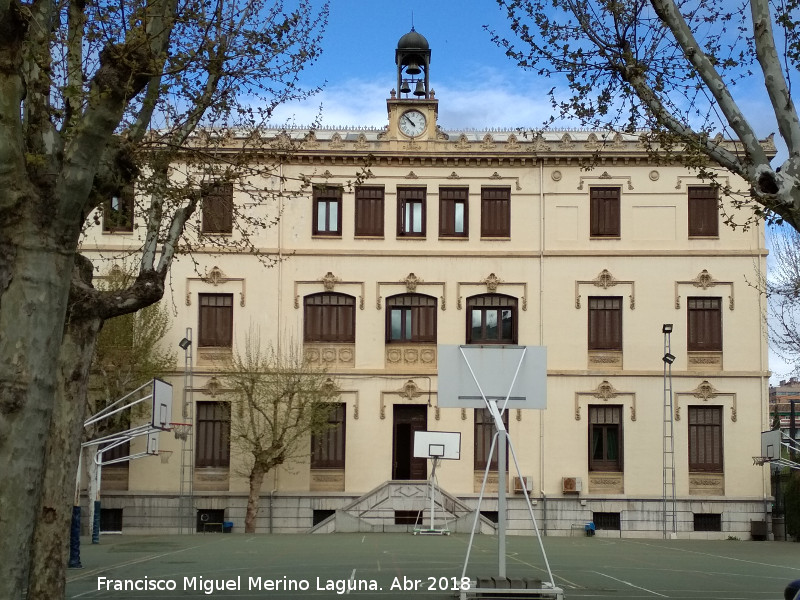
[329, 317]
[410, 318]
[491, 319]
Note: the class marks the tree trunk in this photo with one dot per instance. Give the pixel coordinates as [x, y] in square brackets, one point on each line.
[34, 284]
[254, 497]
[50, 547]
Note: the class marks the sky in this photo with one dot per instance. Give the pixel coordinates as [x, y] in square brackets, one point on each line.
[478, 87]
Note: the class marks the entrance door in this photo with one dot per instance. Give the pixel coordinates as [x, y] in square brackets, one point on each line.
[407, 420]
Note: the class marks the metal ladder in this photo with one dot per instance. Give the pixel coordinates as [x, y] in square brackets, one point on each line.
[186, 493]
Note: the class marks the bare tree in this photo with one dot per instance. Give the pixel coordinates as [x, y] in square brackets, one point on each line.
[94, 98]
[782, 287]
[673, 68]
[278, 401]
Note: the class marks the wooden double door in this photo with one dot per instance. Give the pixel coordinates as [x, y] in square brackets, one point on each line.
[407, 420]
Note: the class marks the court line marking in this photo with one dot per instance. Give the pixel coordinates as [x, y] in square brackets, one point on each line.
[630, 584]
[352, 578]
[744, 560]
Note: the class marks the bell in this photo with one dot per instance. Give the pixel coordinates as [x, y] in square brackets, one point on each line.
[420, 89]
[404, 88]
[413, 69]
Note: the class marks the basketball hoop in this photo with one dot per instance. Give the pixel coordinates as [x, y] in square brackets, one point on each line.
[181, 430]
[165, 455]
[760, 460]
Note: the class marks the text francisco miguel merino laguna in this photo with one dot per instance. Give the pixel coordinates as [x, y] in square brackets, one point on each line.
[283, 584]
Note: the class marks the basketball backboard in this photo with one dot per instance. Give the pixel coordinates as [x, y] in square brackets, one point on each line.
[162, 404]
[152, 442]
[495, 368]
[437, 444]
[771, 444]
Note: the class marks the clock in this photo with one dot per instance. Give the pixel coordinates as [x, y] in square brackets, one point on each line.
[413, 123]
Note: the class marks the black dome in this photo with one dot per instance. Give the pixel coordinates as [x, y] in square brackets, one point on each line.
[412, 41]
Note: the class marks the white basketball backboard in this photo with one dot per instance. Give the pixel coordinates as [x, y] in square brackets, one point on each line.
[771, 444]
[152, 442]
[495, 368]
[437, 444]
[162, 404]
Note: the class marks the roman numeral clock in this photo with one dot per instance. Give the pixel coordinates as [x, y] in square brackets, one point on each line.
[412, 106]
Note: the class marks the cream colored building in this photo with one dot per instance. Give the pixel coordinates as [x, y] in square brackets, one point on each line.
[478, 237]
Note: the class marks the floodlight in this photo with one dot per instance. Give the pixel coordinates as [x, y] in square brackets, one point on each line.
[184, 344]
[666, 328]
[668, 358]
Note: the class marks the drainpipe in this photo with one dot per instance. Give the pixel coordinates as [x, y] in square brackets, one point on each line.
[541, 337]
[270, 509]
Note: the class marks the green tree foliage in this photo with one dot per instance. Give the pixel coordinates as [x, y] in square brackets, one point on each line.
[278, 401]
[792, 499]
[678, 73]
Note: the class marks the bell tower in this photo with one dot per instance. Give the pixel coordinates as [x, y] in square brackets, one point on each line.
[412, 106]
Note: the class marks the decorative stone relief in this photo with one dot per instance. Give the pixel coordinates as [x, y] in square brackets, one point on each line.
[336, 142]
[704, 280]
[605, 391]
[605, 280]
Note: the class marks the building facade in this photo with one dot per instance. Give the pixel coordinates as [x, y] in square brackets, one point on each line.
[410, 236]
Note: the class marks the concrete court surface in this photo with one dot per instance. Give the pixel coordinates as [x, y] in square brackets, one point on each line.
[404, 566]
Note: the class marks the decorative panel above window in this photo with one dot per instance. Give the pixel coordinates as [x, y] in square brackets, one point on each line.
[327, 211]
[217, 207]
[604, 212]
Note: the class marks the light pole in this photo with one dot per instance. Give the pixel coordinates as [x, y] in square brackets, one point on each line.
[668, 480]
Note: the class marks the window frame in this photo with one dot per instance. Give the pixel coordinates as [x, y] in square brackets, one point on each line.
[120, 220]
[450, 198]
[602, 320]
[704, 331]
[496, 212]
[602, 420]
[369, 211]
[222, 318]
[417, 311]
[705, 422]
[213, 431]
[342, 313]
[328, 197]
[605, 212]
[407, 196]
[475, 304]
[217, 203]
[483, 431]
[329, 447]
[703, 211]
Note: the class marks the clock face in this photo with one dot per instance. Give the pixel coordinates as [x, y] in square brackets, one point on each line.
[412, 123]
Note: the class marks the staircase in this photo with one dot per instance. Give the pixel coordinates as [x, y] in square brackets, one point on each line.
[375, 511]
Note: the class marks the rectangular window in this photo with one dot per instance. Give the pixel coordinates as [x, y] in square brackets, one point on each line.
[605, 323]
[453, 212]
[604, 212]
[707, 522]
[703, 212]
[496, 212]
[216, 320]
[412, 318]
[484, 432]
[327, 448]
[217, 207]
[605, 438]
[111, 520]
[329, 317]
[369, 211]
[704, 326]
[118, 212]
[705, 438]
[213, 445]
[606, 521]
[327, 211]
[411, 212]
